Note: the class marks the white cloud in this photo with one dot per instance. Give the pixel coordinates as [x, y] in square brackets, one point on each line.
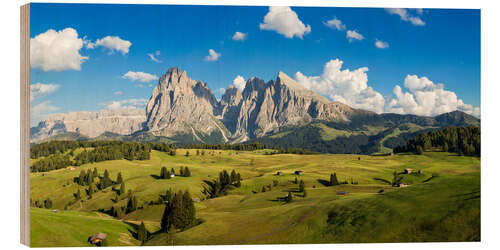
[113, 43]
[39, 89]
[335, 24]
[426, 98]
[346, 86]
[406, 16]
[239, 82]
[126, 104]
[284, 21]
[40, 111]
[118, 92]
[381, 44]
[354, 35]
[154, 56]
[212, 56]
[139, 76]
[239, 36]
[57, 50]
[423, 97]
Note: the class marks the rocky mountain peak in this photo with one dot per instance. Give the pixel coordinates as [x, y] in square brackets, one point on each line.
[181, 105]
[284, 79]
[91, 124]
[254, 84]
[231, 96]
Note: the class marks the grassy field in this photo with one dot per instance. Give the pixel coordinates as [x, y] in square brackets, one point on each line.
[444, 208]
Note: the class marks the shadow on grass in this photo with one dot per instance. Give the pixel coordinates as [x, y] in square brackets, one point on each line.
[323, 182]
[156, 177]
[135, 228]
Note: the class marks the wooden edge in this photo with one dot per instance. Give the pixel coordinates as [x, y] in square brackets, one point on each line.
[25, 121]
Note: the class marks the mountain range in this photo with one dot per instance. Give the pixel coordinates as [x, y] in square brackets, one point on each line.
[279, 112]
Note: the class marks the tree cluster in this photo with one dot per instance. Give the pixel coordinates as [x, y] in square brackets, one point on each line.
[53, 147]
[51, 162]
[55, 157]
[179, 212]
[333, 180]
[237, 147]
[220, 187]
[461, 140]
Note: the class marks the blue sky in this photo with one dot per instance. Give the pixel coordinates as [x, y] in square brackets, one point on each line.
[420, 50]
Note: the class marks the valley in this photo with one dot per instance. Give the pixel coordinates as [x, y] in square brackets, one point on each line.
[442, 203]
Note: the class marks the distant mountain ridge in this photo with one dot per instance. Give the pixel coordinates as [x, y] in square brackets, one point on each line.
[184, 110]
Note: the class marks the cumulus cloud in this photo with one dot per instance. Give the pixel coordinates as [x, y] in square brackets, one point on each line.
[57, 50]
[335, 24]
[40, 111]
[126, 104]
[381, 44]
[239, 82]
[39, 89]
[406, 16]
[424, 97]
[139, 76]
[344, 85]
[354, 35]
[239, 36]
[212, 56]
[284, 21]
[113, 43]
[154, 56]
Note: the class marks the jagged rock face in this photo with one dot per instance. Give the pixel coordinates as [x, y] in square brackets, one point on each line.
[229, 108]
[91, 124]
[180, 104]
[266, 108]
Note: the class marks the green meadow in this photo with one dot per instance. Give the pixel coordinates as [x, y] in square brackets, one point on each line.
[442, 203]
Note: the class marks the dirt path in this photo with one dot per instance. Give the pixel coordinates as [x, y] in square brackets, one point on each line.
[279, 230]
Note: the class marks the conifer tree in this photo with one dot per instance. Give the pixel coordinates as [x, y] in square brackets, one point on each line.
[81, 178]
[177, 213]
[122, 188]
[105, 181]
[233, 176]
[301, 186]
[89, 178]
[47, 203]
[95, 173]
[166, 219]
[91, 190]
[142, 233]
[163, 173]
[169, 195]
[263, 189]
[187, 172]
[333, 180]
[189, 211]
[305, 193]
[119, 178]
[131, 204]
[289, 197]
